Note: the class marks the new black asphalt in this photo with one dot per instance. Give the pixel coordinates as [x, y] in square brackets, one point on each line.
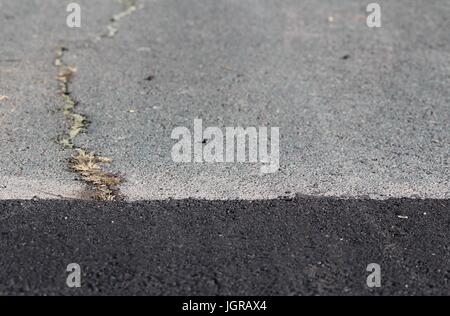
[301, 246]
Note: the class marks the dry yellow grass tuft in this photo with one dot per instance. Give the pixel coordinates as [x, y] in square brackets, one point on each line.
[66, 73]
[87, 165]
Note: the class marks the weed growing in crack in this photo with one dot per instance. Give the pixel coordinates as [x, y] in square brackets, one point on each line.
[88, 166]
[85, 164]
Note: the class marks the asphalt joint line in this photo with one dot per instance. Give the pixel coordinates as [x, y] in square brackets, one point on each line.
[85, 163]
[130, 6]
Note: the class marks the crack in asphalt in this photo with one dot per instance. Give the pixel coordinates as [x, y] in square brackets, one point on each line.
[86, 163]
[130, 6]
[77, 121]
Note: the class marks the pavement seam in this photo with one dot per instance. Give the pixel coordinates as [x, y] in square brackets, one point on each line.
[86, 163]
[113, 27]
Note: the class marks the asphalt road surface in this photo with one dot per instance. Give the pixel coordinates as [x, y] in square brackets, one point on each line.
[362, 111]
[364, 120]
[302, 246]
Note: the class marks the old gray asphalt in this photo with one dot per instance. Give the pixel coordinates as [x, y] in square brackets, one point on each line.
[375, 123]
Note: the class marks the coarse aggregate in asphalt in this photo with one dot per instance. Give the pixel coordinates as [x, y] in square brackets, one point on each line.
[301, 246]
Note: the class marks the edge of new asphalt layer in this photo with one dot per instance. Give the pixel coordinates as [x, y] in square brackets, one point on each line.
[292, 246]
